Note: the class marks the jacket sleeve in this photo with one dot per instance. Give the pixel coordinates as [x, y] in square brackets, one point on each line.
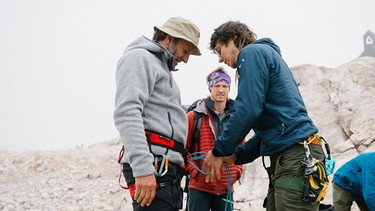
[252, 89]
[368, 180]
[248, 151]
[134, 83]
[240, 167]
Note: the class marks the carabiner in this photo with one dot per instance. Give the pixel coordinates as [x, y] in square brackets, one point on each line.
[162, 168]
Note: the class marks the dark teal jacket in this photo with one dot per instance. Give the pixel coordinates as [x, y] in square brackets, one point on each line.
[269, 102]
[358, 177]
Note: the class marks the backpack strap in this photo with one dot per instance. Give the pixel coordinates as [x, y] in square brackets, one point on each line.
[197, 125]
[195, 140]
[196, 131]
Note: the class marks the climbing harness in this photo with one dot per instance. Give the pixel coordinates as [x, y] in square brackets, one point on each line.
[314, 183]
[132, 187]
[161, 162]
[315, 178]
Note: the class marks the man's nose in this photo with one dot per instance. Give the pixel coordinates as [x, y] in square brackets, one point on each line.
[186, 58]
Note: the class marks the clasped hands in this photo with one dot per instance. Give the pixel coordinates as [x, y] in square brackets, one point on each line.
[213, 164]
[145, 185]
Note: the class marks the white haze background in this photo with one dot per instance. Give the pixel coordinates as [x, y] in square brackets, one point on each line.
[58, 58]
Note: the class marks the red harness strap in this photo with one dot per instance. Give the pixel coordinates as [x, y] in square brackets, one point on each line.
[160, 140]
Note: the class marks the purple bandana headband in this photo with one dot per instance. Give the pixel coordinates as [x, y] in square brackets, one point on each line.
[218, 77]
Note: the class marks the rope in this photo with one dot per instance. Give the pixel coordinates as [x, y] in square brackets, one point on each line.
[197, 158]
[229, 198]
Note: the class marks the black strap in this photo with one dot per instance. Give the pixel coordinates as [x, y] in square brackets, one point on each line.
[269, 172]
[196, 131]
[195, 140]
[270, 175]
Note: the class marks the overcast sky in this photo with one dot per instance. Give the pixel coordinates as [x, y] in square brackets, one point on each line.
[58, 58]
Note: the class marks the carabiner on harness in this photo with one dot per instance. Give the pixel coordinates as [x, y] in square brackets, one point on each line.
[329, 161]
[161, 164]
[308, 161]
[315, 187]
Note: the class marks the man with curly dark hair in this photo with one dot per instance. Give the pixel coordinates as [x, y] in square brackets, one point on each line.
[269, 103]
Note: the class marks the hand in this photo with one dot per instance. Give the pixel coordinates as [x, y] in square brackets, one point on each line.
[212, 165]
[229, 160]
[145, 189]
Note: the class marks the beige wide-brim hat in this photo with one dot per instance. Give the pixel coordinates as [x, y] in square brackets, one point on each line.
[182, 28]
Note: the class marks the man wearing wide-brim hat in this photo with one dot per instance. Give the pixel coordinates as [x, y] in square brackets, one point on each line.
[178, 28]
[149, 117]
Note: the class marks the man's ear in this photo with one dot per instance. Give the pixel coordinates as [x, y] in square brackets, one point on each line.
[169, 39]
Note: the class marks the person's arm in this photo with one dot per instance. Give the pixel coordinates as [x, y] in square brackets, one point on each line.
[368, 180]
[252, 90]
[244, 153]
[253, 85]
[249, 151]
[134, 83]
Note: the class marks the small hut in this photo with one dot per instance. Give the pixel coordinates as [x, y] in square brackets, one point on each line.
[368, 44]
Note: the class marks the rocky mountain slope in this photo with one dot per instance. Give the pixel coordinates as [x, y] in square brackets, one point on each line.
[341, 102]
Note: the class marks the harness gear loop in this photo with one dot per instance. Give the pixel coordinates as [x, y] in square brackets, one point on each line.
[121, 154]
[318, 140]
[313, 139]
[316, 180]
[161, 164]
[131, 188]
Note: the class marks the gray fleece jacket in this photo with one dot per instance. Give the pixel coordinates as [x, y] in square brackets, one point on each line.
[147, 97]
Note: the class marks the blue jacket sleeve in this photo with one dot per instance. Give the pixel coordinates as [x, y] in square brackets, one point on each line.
[252, 88]
[248, 151]
[368, 181]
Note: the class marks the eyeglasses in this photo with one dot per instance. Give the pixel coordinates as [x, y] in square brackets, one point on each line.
[217, 53]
